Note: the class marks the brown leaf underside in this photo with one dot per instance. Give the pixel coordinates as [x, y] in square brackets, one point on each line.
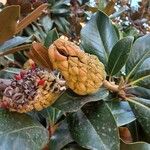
[39, 54]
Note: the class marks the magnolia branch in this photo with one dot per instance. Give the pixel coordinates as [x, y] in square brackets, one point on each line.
[112, 87]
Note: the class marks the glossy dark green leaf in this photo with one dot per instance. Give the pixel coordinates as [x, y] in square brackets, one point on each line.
[71, 102]
[61, 137]
[19, 131]
[99, 36]
[51, 37]
[60, 7]
[131, 31]
[59, 10]
[142, 114]
[142, 76]
[139, 92]
[20, 57]
[119, 55]
[18, 40]
[51, 114]
[9, 73]
[95, 128]
[62, 24]
[38, 31]
[118, 32]
[51, 2]
[122, 112]
[134, 146]
[47, 23]
[143, 101]
[140, 51]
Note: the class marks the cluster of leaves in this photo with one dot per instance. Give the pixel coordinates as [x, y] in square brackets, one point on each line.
[100, 121]
[133, 19]
[64, 16]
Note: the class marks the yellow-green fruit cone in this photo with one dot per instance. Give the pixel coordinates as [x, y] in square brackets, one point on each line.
[84, 73]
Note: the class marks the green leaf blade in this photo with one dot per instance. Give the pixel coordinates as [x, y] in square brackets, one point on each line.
[51, 37]
[20, 131]
[140, 92]
[143, 101]
[18, 40]
[121, 112]
[142, 113]
[61, 137]
[99, 36]
[71, 102]
[91, 129]
[52, 115]
[140, 51]
[9, 73]
[119, 55]
[142, 76]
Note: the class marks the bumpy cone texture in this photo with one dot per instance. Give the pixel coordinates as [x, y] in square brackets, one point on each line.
[34, 89]
[84, 73]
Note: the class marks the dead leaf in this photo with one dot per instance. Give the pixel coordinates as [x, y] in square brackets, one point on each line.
[109, 9]
[15, 49]
[33, 16]
[92, 9]
[125, 134]
[8, 22]
[39, 54]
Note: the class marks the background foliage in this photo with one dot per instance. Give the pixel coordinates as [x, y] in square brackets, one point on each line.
[116, 33]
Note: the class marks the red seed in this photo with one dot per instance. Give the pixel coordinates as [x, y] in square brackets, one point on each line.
[22, 73]
[18, 77]
[41, 82]
[33, 65]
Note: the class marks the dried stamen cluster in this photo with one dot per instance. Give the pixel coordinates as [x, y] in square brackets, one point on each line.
[32, 89]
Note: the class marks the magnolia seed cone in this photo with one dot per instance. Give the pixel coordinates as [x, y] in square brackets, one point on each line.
[34, 89]
[84, 73]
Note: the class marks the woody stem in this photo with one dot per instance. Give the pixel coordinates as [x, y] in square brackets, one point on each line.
[111, 86]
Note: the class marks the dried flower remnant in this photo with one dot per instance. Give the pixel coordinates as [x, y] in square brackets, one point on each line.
[34, 89]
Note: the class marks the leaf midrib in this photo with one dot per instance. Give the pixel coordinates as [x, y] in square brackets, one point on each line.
[92, 126]
[18, 130]
[134, 68]
[116, 63]
[139, 79]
